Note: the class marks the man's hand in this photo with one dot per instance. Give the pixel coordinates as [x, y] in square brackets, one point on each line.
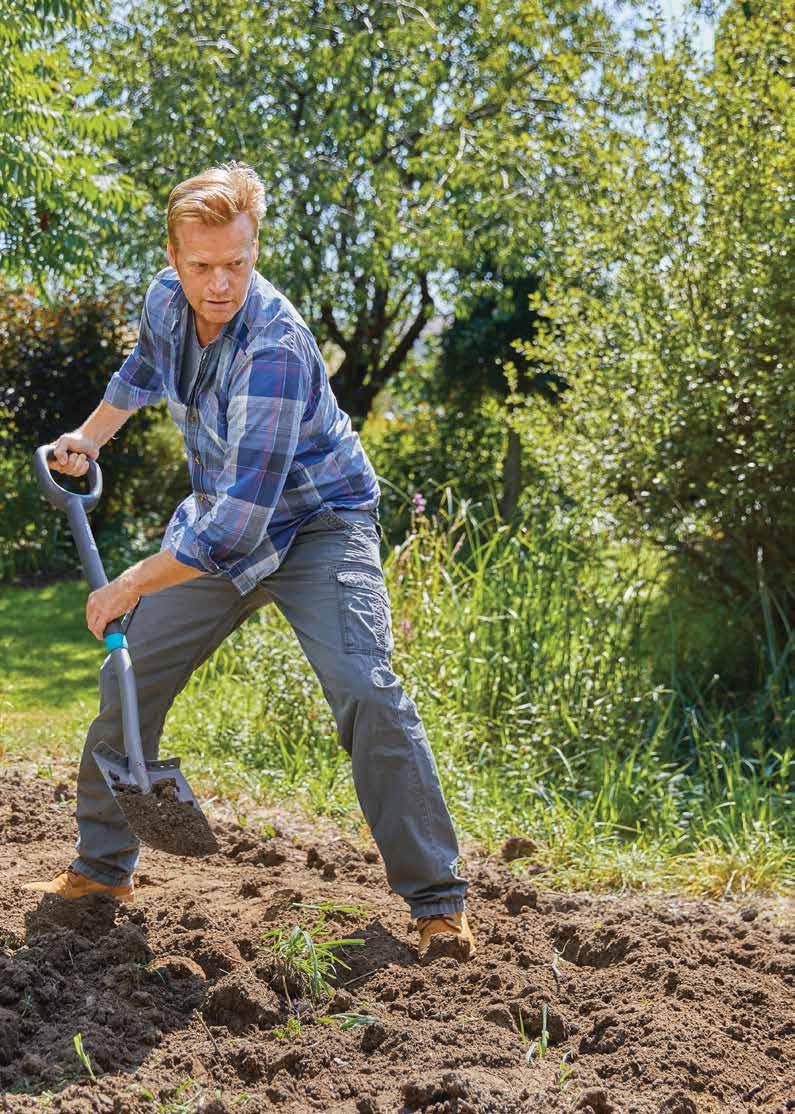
[153, 574]
[72, 451]
[110, 602]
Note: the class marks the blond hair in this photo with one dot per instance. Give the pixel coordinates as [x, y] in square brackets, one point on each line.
[216, 196]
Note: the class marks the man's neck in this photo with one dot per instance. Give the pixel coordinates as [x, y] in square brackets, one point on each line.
[206, 331]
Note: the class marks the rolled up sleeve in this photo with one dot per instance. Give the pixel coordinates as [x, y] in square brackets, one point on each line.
[265, 409]
[139, 381]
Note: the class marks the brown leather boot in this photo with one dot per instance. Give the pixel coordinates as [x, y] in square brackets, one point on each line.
[70, 885]
[446, 935]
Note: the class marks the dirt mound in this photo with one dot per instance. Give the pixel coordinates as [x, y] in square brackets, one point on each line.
[634, 1004]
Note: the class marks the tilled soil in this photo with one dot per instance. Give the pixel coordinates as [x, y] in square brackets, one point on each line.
[653, 1004]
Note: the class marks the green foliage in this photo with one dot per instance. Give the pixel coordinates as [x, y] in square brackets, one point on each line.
[481, 341]
[530, 655]
[306, 957]
[525, 651]
[60, 190]
[671, 311]
[82, 1055]
[420, 449]
[397, 143]
[55, 362]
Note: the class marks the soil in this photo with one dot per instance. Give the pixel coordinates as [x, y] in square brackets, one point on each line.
[160, 819]
[653, 1003]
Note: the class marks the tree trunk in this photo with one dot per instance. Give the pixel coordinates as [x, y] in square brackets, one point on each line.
[511, 476]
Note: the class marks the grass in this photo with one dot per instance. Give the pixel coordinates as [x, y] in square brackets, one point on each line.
[48, 667]
[306, 957]
[555, 705]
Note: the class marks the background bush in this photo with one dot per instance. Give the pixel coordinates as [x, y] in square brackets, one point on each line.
[55, 362]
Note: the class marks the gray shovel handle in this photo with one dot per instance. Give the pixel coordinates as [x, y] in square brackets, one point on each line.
[76, 505]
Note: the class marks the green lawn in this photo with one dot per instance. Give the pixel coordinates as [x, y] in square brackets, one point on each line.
[48, 668]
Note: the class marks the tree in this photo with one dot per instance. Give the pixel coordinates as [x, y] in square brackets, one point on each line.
[58, 186]
[481, 359]
[399, 143]
[672, 312]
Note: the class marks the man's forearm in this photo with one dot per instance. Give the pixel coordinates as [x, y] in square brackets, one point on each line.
[122, 594]
[162, 570]
[104, 423]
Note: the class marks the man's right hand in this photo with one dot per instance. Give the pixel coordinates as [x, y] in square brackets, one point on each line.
[72, 451]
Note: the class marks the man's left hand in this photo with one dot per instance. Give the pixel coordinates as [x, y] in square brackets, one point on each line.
[110, 602]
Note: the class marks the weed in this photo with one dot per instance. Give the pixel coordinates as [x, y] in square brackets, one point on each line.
[539, 1047]
[186, 1099]
[565, 1071]
[306, 956]
[82, 1055]
[348, 1020]
[328, 908]
[288, 1031]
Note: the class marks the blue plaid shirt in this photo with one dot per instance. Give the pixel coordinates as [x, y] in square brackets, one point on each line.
[268, 447]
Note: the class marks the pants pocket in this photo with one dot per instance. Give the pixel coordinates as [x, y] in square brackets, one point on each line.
[365, 614]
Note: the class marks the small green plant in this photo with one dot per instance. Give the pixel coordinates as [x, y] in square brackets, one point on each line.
[185, 1100]
[82, 1055]
[306, 956]
[288, 1031]
[565, 1071]
[327, 908]
[538, 1048]
[350, 1019]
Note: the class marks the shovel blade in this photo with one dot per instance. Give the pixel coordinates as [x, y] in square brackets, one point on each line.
[168, 817]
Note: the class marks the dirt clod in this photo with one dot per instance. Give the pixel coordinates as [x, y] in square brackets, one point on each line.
[161, 820]
[518, 847]
[239, 1002]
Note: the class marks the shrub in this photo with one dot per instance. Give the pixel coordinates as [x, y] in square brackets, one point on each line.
[55, 362]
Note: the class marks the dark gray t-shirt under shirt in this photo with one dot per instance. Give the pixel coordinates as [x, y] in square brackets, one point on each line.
[191, 358]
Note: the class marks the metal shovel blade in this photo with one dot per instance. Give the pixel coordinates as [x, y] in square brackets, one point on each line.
[168, 817]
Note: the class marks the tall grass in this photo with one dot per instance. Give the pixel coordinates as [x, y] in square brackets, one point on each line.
[526, 651]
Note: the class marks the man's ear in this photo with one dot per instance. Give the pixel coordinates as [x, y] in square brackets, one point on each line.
[172, 255]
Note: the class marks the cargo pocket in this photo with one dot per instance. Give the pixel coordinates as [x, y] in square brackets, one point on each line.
[365, 615]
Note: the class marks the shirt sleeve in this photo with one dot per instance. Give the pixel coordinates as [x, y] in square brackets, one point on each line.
[265, 409]
[138, 382]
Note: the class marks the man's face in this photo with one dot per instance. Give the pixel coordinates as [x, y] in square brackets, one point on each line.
[214, 263]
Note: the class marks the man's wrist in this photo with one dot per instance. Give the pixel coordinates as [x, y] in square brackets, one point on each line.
[82, 432]
[130, 585]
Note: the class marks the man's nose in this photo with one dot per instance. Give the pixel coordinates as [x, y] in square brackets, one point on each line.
[219, 282]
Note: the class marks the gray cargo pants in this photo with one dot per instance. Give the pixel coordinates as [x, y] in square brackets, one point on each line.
[330, 588]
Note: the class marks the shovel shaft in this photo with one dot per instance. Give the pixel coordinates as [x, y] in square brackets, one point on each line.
[95, 574]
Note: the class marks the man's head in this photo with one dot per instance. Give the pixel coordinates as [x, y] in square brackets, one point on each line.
[213, 229]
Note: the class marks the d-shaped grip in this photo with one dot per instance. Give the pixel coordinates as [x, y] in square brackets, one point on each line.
[59, 496]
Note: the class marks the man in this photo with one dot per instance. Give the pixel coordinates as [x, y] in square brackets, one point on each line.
[283, 509]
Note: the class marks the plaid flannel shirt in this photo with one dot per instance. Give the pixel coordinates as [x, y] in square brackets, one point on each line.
[268, 448]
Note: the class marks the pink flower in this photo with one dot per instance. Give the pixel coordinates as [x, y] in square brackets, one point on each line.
[418, 503]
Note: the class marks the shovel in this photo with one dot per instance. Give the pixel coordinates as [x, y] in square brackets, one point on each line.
[155, 798]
